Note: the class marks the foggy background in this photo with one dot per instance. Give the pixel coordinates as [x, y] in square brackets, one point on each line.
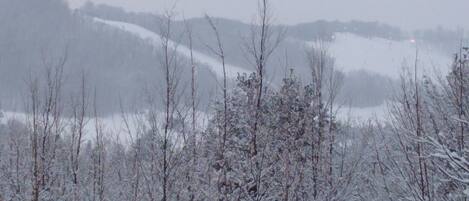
[407, 14]
[370, 46]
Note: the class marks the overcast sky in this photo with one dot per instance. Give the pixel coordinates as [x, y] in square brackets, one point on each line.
[408, 14]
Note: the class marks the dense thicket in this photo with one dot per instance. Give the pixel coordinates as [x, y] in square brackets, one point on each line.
[303, 151]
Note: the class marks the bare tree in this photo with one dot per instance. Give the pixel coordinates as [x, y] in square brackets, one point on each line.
[192, 145]
[166, 136]
[334, 83]
[168, 105]
[408, 121]
[319, 61]
[45, 125]
[98, 157]
[458, 81]
[219, 51]
[79, 108]
[262, 43]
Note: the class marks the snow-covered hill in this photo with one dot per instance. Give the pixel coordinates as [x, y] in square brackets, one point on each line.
[213, 63]
[383, 56]
[352, 53]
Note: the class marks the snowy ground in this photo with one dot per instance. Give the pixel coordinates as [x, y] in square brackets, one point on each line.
[360, 115]
[111, 124]
[114, 127]
[215, 65]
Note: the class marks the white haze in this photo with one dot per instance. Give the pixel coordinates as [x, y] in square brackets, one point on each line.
[413, 14]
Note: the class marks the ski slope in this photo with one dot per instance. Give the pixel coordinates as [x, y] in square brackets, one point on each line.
[383, 56]
[215, 65]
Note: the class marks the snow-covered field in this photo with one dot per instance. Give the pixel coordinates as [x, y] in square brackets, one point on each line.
[360, 115]
[117, 127]
[383, 56]
[111, 124]
[215, 65]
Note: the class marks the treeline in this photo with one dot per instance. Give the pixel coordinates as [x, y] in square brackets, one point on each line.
[318, 30]
[444, 39]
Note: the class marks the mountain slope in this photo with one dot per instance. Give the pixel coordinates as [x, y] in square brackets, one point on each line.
[356, 45]
[155, 39]
[119, 65]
